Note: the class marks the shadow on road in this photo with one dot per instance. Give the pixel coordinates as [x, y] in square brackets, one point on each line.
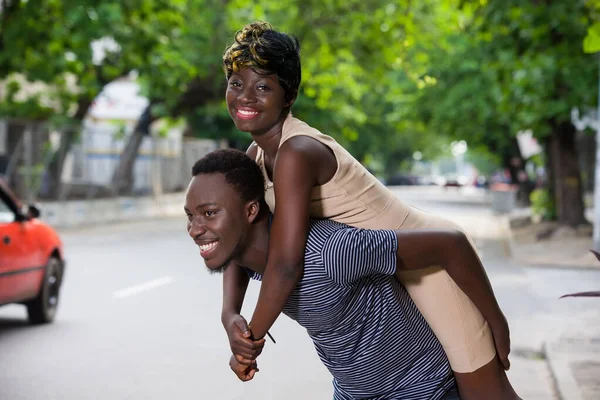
[9, 324]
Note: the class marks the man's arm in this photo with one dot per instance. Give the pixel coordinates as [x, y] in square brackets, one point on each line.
[235, 280]
[235, 284]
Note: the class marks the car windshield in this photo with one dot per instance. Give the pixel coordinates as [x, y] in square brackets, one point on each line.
[6, 214]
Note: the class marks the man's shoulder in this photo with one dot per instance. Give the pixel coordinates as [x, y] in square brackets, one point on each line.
[327, 225]
[321, 229]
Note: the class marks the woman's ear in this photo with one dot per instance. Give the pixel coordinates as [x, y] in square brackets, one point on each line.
[291, 101]
[252, 210]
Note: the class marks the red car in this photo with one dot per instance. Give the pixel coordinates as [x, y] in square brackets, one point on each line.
[31, 259]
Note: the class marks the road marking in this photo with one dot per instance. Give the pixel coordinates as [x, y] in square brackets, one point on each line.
[142, 287]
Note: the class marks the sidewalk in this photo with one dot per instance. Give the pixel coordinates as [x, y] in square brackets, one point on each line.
[573, 354]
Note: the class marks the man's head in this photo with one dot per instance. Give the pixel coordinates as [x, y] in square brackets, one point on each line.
[224, 198]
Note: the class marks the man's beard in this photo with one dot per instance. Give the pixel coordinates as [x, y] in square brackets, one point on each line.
[236, 252]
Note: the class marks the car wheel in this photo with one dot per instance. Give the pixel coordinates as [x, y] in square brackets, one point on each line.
[42, 309]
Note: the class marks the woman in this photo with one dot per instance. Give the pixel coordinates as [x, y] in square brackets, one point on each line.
[309, 175]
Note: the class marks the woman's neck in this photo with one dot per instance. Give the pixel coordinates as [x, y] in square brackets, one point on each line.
[269, 141]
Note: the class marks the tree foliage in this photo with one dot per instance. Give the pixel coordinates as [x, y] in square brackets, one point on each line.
[384, 78]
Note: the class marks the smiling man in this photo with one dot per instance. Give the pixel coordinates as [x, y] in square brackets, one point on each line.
[365, 328]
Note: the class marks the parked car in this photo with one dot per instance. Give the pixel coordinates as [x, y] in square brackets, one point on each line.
[402, 180]
[454, 180]
[32, 263]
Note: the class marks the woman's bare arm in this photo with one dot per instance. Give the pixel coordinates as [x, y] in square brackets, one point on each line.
[301, 164]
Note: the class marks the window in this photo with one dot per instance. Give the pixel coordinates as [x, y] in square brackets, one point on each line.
[6, 214]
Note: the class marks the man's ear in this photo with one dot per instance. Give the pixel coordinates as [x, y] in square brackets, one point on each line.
[252, 210]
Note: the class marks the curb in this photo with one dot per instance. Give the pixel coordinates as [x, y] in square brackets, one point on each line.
[507, 222]
[82, 213]
[566, 386]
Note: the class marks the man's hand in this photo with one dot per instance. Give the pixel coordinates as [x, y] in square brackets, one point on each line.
[501, 334]
[240, 340]
[244, 372]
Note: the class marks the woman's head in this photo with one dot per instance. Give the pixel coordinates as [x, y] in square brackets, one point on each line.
[259, 47]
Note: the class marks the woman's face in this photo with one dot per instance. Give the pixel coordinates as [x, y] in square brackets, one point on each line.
[254, 101]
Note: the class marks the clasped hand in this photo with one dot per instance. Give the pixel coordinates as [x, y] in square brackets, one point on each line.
[244, 349]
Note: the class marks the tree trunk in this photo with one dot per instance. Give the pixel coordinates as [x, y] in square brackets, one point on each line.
[122, 181]
[67, 137]
[566, 177]
[15, 147]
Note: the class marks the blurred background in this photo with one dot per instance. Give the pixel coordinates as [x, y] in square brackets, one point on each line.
[484, 111]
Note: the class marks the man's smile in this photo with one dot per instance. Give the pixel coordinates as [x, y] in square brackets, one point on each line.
[206, 248]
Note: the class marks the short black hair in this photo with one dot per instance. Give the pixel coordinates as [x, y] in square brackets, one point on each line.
[259, 46]
[240, 171]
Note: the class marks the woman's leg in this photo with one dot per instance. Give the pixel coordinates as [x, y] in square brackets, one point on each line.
[463, 332]
[456, 322]
[452, 394]
[488, 382]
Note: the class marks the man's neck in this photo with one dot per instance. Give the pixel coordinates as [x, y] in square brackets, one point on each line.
[254, 255]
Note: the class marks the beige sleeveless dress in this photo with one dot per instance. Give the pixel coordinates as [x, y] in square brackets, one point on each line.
[355, 197]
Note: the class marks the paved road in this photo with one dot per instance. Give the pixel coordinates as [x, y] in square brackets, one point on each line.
[139, 319]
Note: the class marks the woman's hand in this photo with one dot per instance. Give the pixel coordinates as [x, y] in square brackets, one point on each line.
[501, 334]
[240, 339]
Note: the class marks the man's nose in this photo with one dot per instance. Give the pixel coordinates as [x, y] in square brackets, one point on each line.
[196, 228]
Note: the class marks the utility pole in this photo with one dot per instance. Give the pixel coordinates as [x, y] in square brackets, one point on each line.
[597, 172]
[593, 121]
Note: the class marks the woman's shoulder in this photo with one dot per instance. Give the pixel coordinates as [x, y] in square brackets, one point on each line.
[293, 126]
[300, 134]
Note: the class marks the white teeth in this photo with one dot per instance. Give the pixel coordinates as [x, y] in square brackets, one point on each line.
[244, 112]
[205, 247]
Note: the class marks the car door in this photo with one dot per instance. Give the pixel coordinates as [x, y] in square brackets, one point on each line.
[21, 258]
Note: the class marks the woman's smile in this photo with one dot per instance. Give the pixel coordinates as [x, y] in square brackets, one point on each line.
[246, 113]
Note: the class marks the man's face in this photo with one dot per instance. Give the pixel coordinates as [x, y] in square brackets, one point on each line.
[217, 219]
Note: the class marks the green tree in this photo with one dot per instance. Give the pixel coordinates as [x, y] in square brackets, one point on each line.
[355, 84]
[514, 65]
[51, 42]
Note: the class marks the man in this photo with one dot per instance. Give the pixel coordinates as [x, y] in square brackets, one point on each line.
[364, 326]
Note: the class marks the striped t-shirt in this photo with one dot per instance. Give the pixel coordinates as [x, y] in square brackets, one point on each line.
[365, 328]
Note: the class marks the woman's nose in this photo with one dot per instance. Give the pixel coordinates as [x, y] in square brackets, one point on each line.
[247, 95]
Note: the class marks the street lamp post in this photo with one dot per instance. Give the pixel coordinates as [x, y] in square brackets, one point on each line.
[588, 121]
